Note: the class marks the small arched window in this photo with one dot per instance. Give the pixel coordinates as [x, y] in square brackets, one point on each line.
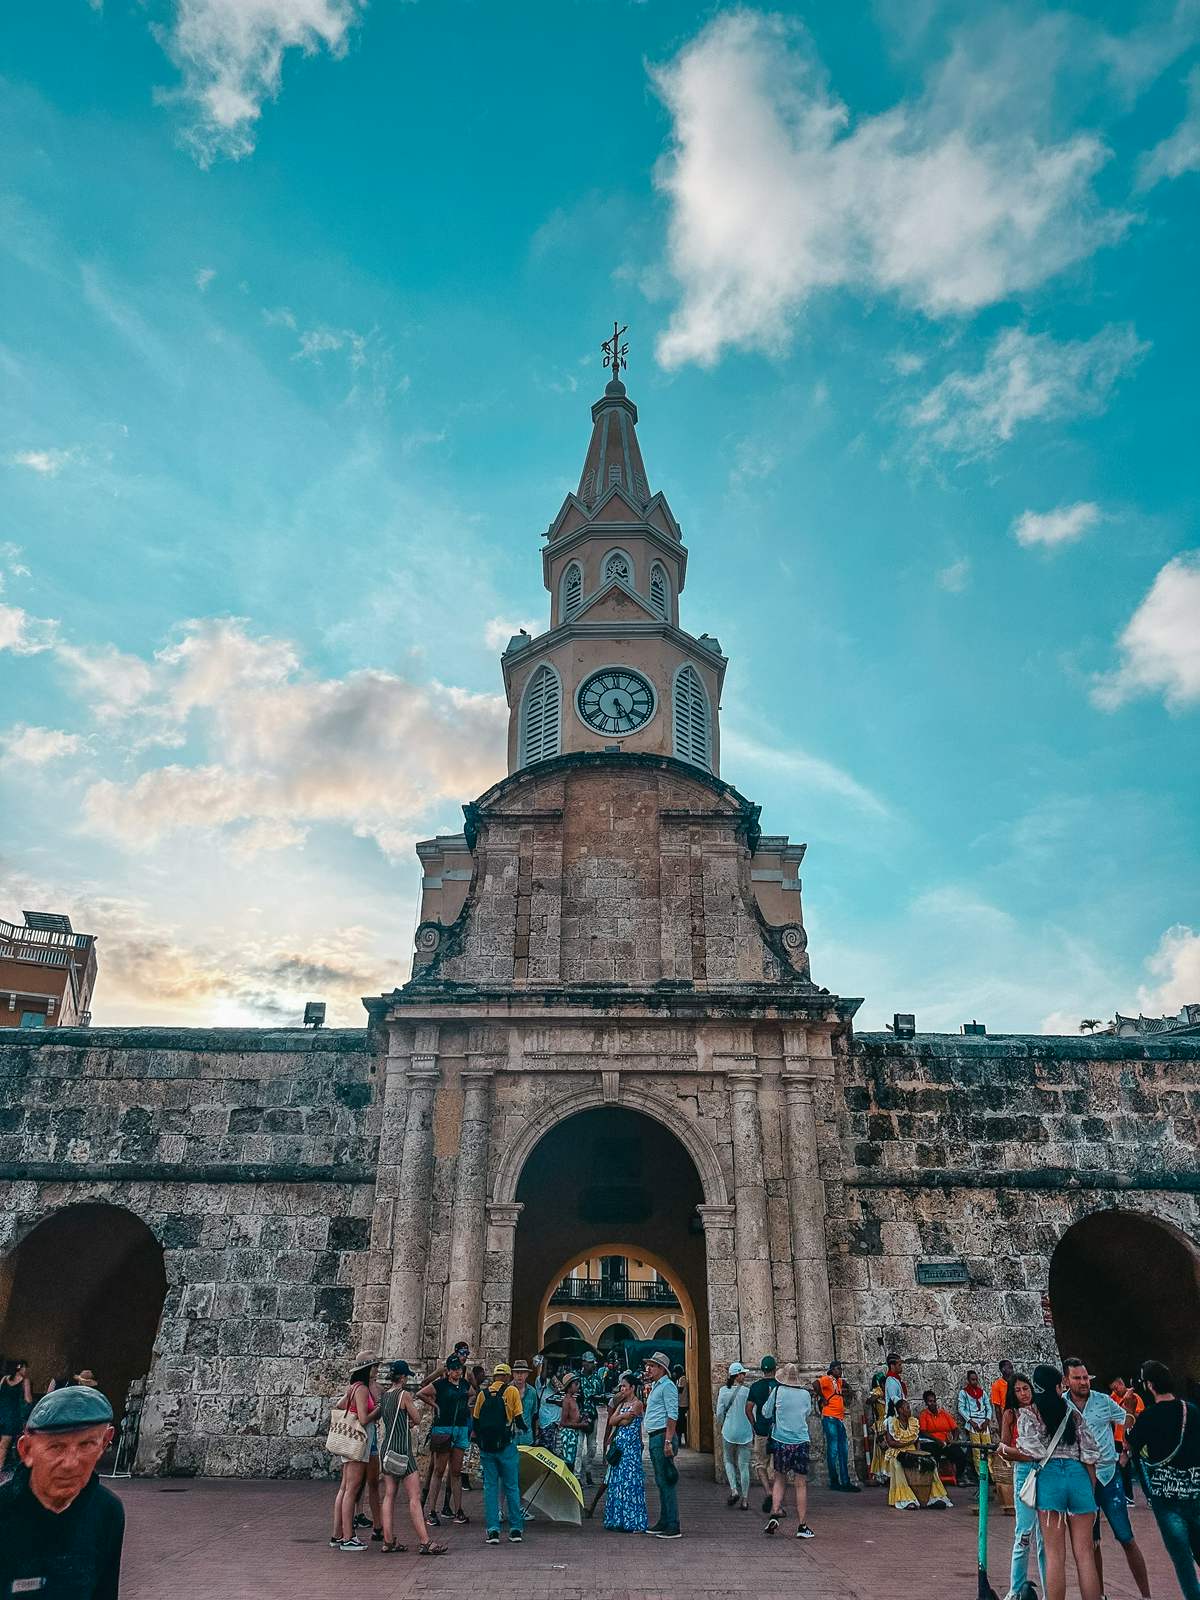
[691, 728]
[658, 590]
[572, 591]
[616, 565]
[540, 716]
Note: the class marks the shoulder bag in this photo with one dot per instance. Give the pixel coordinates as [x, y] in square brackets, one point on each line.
[396, 1459]
[347, 1437]
[1028, 1490]
[1166, 1482]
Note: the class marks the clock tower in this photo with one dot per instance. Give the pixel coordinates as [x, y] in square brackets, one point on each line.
[615, 670]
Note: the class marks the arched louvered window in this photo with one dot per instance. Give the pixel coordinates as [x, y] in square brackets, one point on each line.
[572, 591]
[540, 716]
[617, 565]
[658, 590]
[692, 742]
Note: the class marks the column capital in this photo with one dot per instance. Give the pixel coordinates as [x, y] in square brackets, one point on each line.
[423, 1070]
[741, 1079]
[477, 1074]
[504, 1213]
[714, 1216]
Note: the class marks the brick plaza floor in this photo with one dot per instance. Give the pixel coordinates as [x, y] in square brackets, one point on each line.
[222, 1539]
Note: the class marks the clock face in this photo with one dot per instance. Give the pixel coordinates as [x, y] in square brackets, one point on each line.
[615, 700]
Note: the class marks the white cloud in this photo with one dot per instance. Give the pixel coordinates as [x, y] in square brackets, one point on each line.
[111, 681]
[203, 277]
[961, 906]
[804, 769]
[318, 342]
[955, 577]
[1160, 644]
[151, 971]
[37, 746]
[371, 751]
[1176, 963]
[1179, 152]
[1052, 528]
[499, 630]
[46, 463]
[948, 203]
[230, 54]
[1025, 377]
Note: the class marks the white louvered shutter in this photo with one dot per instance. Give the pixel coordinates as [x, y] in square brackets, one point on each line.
[572, 592]
[658, 591]
[691, 718]
[540, 727]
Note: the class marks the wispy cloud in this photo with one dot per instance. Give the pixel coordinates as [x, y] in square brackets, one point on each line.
[37, 747]
[1179, 152]
[203, 276]
[804, 769]
[949, 202]
[230, 55]
[47, 463]
[281, 749]
[1053, 528]
[1160, 644]
[499, 630]
[1025, 377]
[955, 577]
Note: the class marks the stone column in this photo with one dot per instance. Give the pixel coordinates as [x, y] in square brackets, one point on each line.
[372, 1298]
[753, 1238]
[724, 1331]
[411, 1213]
[465, 1291]
[806, 1205]
[495, 1335]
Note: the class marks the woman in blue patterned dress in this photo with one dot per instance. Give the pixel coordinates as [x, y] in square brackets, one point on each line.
[625, 1498]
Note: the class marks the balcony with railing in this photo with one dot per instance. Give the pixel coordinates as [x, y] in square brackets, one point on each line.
[613, 1292]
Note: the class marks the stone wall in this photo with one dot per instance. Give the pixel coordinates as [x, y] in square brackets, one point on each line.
[251, 1156]
[985, 1151]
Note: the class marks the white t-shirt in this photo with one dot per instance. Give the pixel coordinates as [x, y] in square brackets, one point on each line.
[787, 1410]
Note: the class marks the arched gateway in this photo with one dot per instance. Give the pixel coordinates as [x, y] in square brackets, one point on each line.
[611, 1031]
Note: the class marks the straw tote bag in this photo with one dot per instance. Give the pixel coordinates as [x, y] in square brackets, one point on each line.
[347, 1437]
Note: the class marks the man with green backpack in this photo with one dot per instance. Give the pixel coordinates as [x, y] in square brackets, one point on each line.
[498, 1411]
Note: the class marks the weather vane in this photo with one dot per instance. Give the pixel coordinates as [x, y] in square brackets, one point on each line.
[615, 352]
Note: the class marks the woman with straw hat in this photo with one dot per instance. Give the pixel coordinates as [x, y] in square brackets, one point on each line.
[787, 1410]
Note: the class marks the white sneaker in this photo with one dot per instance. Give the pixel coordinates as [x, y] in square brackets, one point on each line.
[352, 1544]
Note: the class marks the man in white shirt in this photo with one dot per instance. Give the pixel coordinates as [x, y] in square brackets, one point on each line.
[1100, 1412]
[975, 1413]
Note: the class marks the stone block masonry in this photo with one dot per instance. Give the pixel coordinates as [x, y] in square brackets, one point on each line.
[251, 1156]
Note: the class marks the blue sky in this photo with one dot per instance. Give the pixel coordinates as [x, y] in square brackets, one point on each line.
[302, 307]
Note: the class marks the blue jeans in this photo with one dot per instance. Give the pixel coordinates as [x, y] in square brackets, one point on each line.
[1110, 1497]
[500, 1472]
[668, 1505]
[1179, 1523]
[1026, 1535]
[837, 1457]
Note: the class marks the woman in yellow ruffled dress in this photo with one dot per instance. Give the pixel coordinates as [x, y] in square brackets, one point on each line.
[902, 1451]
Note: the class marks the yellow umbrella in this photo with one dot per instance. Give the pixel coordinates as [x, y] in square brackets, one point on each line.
[549, 1484]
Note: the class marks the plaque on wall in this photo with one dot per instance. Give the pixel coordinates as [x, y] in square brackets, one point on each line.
[940, 1273]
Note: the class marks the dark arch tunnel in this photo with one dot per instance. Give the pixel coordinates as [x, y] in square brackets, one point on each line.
[84, 1288]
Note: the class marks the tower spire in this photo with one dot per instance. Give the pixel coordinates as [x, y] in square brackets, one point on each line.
[614, 455]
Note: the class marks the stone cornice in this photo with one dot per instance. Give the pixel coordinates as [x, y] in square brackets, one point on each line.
[685, 643]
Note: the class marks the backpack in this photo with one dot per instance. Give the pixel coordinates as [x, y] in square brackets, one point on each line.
[492, 1427]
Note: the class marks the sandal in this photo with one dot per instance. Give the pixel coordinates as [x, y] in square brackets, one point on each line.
[431, 1549]
[395, 1548]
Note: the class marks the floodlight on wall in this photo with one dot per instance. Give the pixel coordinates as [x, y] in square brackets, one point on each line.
[904, 1024]
[975, 1029]
[314, 1014]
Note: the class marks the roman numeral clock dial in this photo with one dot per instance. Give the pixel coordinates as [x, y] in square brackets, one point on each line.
[615, 700]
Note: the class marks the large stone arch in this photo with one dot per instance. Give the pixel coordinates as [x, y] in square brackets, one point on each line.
[84, 1286]
[1124, 1288]
[629, 1097]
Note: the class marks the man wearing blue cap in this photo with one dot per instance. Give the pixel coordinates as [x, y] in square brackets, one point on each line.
[61, 1530]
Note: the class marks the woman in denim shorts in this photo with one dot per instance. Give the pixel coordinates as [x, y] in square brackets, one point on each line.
[1066, 1492]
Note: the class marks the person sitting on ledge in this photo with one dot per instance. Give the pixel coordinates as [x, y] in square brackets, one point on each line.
[902, 1457]
[938, 1429]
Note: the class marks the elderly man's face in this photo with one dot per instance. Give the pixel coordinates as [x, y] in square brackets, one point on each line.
[60, 1464]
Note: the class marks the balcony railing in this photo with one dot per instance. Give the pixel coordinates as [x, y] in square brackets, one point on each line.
[613, 1292]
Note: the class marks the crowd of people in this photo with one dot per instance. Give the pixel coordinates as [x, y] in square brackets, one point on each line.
[1064, 1455]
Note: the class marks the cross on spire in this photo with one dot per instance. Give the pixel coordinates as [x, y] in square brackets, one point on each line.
[615, 352]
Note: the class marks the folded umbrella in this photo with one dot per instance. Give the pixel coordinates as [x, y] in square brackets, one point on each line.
[548, 1484]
